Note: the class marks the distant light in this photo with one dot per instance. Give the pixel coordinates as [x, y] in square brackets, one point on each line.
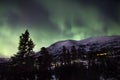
[102, 54]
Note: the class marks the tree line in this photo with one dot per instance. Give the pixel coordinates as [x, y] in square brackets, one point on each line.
[67, 65]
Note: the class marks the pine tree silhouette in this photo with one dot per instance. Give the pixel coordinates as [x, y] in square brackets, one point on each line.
[74, 54]
[68, 59]
[25, 49]
[44, 62]
[63, 56]
[23, 61]
[46, 57]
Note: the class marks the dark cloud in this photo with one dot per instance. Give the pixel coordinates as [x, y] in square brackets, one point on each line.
[32, 12]
[108, 7]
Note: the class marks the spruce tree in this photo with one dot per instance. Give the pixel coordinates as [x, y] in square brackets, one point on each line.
[68, 57]
[46, 58]
[25, 49]
[44, 62]
[63, 56]
[74, 54]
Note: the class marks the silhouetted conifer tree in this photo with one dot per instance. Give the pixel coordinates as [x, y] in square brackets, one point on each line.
[68, 57]
[25, 48]
[74, 53]
[46, 57]
[23, 61]
[44, 61]
[81, 52]
[63, 56]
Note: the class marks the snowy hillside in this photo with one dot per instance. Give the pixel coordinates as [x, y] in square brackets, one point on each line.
[98, 43]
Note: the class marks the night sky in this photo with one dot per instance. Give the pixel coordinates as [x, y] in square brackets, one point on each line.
[49, 21]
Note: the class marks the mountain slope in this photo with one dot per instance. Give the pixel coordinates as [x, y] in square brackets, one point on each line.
[98, 43]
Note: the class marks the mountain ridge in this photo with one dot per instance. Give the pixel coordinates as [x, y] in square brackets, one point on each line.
[98, 42]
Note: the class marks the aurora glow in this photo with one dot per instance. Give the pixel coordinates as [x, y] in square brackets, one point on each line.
[49, 21]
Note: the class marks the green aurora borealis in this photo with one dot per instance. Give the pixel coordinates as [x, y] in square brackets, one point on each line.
[49, 21]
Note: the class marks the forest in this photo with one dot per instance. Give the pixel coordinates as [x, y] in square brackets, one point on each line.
[70, 64]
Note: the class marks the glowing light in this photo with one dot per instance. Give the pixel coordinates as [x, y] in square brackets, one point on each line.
[102, 54]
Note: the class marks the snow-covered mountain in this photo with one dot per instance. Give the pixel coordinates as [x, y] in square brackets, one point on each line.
[102, 42]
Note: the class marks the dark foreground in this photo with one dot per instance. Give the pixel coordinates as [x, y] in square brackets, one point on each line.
[97, 69]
